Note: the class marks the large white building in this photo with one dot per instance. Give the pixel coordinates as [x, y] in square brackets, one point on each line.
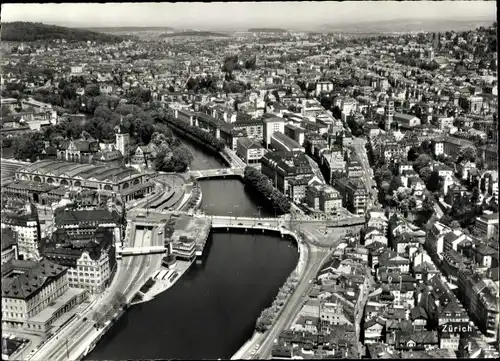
[272, 125]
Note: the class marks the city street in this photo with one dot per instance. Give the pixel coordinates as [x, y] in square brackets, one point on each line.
[359, 147]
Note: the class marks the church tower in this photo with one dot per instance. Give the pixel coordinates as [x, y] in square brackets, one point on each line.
[122, 138]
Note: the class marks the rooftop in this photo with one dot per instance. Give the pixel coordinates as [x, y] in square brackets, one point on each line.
[22, 279]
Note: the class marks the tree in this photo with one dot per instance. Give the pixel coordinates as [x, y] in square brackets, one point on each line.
[97, 317]
[28, 146]
[476, 194]
[100, 130]
[413, 154]
[422, 161]
[230, 64]
[265, 320]
[467, 153]
[276, 95]
[425, 173]
[251, 63]
[434, 182]
[92, 90]
[103, 113]
[145, 132]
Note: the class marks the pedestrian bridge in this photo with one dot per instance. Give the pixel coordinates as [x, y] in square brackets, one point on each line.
[217, 173]
[137, 251]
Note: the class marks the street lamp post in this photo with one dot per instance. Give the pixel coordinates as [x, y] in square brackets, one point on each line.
[229, 213]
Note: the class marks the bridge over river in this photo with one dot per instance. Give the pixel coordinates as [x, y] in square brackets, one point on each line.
[217, 173]
[151, 218]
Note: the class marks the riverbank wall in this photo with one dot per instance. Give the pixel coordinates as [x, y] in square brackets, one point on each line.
[99, 335]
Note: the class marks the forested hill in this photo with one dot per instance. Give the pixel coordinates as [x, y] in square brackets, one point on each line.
[27, 31]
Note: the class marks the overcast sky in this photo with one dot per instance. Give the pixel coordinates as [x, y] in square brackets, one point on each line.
[243, 15]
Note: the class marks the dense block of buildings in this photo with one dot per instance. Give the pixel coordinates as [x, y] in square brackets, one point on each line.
[78, 222]
[89, 257]
[324, 198]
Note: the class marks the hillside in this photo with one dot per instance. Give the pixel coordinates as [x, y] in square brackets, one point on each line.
[27, 31]
[266, 30]
[194, 33]
[128, 29]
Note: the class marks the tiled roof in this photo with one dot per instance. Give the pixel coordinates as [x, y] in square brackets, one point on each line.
[26, 284]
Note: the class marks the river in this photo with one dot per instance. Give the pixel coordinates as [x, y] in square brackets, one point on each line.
[211, 311]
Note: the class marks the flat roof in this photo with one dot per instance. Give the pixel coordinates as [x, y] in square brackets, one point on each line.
[273, 119]
[48, 312]
[286, 140]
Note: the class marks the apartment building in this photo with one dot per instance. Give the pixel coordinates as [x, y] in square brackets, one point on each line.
[331, 315]
[485, 225]
[480, 296]
[253, 126]
[26, 225]
[324, 198]
[250, 150]
[354, 194]
[35, 295]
